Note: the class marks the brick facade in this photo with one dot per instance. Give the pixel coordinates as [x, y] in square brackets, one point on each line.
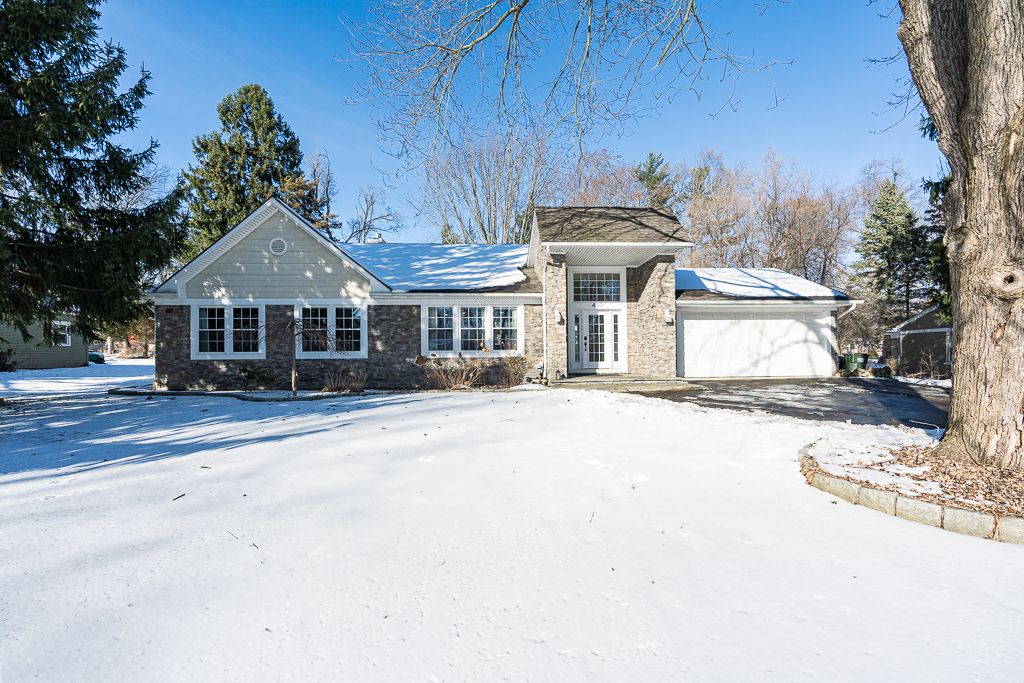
[393, 345]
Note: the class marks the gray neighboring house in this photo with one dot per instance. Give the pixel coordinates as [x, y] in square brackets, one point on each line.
[596, 290]
[921, 345]
[68, 351]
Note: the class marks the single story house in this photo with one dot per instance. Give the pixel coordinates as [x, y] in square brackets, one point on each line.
[68, 350]
[921, 345]
[597, 290]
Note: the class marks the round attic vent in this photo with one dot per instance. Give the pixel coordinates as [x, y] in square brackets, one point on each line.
[278, 246]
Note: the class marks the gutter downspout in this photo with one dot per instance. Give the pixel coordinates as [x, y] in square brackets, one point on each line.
[853, 305]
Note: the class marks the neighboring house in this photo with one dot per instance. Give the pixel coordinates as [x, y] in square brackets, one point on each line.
[922, 345]
[596, 290]
[67, 351]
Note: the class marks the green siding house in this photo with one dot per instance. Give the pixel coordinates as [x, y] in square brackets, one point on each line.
[69, 350]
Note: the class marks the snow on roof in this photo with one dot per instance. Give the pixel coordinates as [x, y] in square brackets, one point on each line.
[411, 266]
[751, 283]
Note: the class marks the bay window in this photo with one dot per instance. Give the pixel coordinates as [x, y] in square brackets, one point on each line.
[471, 330]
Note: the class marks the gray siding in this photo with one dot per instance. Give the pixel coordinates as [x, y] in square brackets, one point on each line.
[34, 355]
[307, 270]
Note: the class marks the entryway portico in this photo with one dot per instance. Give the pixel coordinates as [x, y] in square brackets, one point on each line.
[609, 292]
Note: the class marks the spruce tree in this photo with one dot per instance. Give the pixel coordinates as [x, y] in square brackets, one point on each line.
[895, 251]
[239, 166]
[69, 245]
[657, 179]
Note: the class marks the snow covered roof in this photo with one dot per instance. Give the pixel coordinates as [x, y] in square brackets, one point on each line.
[749, 283]
[418, 267]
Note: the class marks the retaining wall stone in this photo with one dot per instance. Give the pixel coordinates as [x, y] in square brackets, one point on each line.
[970, 522]
[919, 511]
[883, 501]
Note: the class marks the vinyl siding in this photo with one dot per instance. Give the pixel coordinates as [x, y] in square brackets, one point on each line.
[33, 355]
[306, 270]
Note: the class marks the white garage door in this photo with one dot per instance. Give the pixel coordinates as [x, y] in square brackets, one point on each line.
[754, 344]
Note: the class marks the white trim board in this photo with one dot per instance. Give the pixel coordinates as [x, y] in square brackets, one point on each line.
[382, 299]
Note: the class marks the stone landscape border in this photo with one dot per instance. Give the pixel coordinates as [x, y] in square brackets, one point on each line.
[255, 397]
[971, 522]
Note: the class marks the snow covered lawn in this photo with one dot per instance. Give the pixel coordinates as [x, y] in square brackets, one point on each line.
[116, 372]
[544, 535]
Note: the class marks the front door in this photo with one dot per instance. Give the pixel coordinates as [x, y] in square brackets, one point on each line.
[596, 340]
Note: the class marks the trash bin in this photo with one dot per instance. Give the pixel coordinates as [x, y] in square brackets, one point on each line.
[852, 362]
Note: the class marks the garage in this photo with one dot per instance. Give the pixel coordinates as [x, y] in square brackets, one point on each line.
[733, 322]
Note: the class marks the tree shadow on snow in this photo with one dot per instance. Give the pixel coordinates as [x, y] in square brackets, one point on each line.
[75, 435]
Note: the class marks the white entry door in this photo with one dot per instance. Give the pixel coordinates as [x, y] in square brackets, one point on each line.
[596, 340]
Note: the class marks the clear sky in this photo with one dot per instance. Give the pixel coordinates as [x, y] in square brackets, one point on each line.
[833, 116]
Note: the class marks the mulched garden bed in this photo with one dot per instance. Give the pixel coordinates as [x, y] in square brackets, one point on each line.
[964, 485]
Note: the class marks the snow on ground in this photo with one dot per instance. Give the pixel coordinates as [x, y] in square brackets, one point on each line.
[116, 372]
[923, 381]
[850, 455]
[545, 535]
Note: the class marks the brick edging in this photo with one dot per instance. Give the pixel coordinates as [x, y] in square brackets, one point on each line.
[971, 522]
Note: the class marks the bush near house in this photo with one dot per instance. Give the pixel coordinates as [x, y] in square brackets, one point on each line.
[7, 362]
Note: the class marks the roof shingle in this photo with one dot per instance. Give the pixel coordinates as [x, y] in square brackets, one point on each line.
[608, 224]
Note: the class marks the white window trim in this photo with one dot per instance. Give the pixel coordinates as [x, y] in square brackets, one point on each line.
[571, 290]
[457, 329]
[229, 318]
[67, 333]
[330, 353]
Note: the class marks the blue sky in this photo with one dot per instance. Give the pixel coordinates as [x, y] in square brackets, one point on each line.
[832, 118]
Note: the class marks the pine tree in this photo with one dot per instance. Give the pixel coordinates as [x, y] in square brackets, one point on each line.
[239, 166]
[895, 251]
[657, 179]
[69, 245]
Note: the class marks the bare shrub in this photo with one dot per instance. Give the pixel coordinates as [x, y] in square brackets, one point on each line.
[345, 380]
[932, 367]
[513, 371]
[7, 362]
[452, 373]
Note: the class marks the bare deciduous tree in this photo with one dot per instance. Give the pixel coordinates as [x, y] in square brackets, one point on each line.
[965, 59]
[438, 61]
[775, 216]
[482, 188]
[373, 215]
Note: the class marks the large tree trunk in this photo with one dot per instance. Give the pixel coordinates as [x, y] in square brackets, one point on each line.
[967, 60]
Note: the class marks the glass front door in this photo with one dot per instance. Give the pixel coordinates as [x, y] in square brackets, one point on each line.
[595, 340]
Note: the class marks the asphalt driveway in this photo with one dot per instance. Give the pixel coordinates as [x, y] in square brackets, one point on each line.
[861, 401]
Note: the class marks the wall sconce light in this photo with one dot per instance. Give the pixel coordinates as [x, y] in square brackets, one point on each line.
[559, 318]
[668, 316]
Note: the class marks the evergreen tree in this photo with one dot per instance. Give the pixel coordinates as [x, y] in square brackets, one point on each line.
[657, 179]
[239, 166]
[895, 251]
[938, 264]
[69, 245]
[311, 196]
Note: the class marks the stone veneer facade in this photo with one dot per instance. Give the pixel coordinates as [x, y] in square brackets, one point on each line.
[552, 271]
[650, 297]
[393, 346]
[650, 294]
